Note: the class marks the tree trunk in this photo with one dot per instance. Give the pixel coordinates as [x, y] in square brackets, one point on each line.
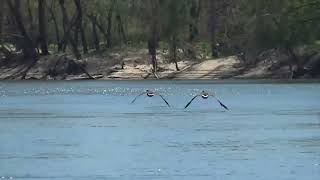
[213, 26]
[67, 35]
[32, 27]
[153, 40]
[173, 51]
[63, 42]
[299, 70]
[83, 40]
[43, 28]
[102, 30]
[194, 13]
[56, 27]
[193, 27]
[152, 51]
[110, 14]
[80, 26]
[95, 33]
[76, 35]
[1, 22]
[28, 46]
[63, 45]
[121, 29]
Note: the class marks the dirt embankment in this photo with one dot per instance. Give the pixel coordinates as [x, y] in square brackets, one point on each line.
[135, 65]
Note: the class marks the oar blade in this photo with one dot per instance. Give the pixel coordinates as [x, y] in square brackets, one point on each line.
[190, 102]
[224, 106]
[164, 100]
[136, 98]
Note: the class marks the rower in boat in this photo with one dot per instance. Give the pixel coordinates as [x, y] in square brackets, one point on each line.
[206, 95]
[150, 94]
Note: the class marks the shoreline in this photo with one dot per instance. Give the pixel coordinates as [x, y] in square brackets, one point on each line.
[194, 81]
[136, 66]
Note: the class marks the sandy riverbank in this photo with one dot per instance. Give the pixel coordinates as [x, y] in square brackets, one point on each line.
[136, 66]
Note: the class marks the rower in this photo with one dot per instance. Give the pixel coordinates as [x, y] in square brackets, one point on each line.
[150, 94]
[206, 95]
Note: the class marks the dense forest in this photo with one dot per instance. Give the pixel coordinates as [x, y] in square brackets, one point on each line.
[217, 28]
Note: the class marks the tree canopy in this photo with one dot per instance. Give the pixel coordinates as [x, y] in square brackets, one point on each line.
[220, 27]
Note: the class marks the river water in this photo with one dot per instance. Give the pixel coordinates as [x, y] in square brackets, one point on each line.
[88, 130]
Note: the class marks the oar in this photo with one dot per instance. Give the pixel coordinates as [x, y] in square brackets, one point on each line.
[164, 100]
[137, 97]
[190, 101]
[221, 104]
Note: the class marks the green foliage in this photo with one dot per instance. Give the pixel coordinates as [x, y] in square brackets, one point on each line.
[174, 17]
[242, 25]
[163, 45]
[296, 24]
[204, 48]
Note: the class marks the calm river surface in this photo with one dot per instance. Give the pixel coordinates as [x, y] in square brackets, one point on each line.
[89, 131]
